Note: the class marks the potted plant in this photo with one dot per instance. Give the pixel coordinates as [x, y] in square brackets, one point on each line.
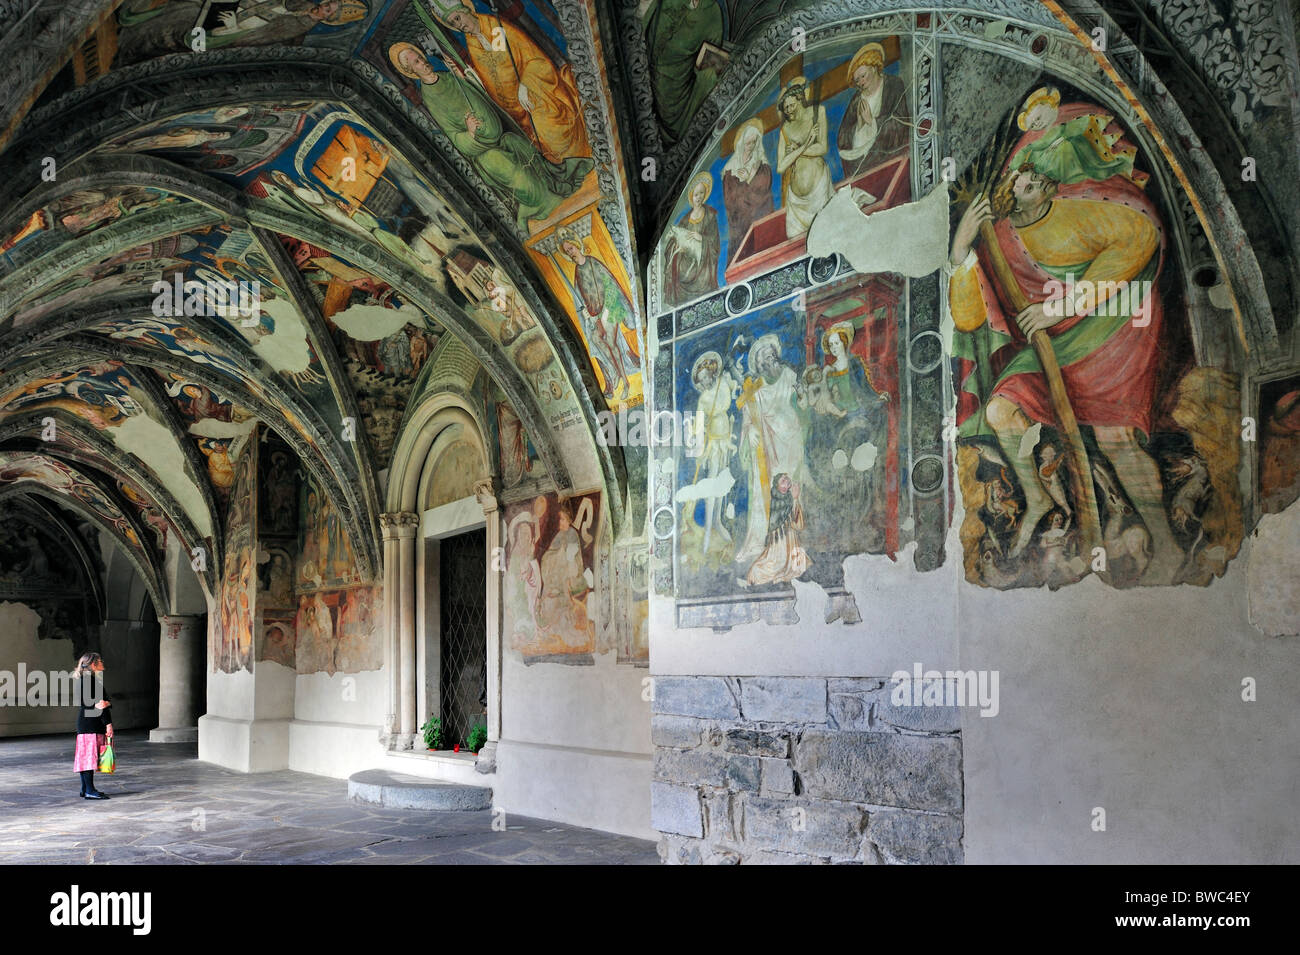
[432, 730]
[476, 738]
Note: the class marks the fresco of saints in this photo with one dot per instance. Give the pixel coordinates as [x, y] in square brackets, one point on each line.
[877, 125]
[746, 185]
[676, 31]
[712, 444]
[693, 248]
[1107, 346]
[772, 438]
[523, 581]
[605, 312]
[782, 559]
[562, 604]
[503, 156]
[801, 158]
[515, 72]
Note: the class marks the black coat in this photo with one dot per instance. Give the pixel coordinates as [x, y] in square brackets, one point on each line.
[89, 719]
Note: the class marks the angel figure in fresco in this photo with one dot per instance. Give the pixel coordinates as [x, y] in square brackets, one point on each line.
[566, 580]
[478, 128]
[773, 433]
[877, 125]
[712, 442]
[1096, 237]
[801, 158]
[523, 583]
[746, 185]
[693, 248]
[606, 312]
[539, 96]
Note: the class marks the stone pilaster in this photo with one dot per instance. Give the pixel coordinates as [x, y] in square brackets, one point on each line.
[182, 642]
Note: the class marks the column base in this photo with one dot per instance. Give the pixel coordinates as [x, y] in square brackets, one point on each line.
[487, 758]
[174, 734]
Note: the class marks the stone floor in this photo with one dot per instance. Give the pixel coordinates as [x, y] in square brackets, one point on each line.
[167, 807]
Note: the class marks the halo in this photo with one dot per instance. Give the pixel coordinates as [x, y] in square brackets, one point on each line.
[706, 356]
[872, 54]
[394, 55]
[706, 178]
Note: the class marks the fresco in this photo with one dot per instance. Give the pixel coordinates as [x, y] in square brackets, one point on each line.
[382, 340]
[40, 568]
[828, 122]
[77, 214]
[325, 558]
[516, 457]
[60, 477]
[578, 260]
[550, 578]
[237, 603]
[1279, 444]
[499, 87]
[1122, 463]
[149, 28]
[339, 631]
[791, 457]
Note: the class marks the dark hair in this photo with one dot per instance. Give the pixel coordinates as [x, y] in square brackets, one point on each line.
[87, 661]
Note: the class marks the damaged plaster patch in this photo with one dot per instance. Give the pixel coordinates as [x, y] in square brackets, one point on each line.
[286, 348]
[911, 239]
[1272, 590]
[370, 323]
[155, 445]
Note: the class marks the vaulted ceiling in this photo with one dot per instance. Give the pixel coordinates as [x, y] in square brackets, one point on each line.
[342, 160]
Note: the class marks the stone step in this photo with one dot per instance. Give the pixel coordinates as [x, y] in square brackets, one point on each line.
[397, 791]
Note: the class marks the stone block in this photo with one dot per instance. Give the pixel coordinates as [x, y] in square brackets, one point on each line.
[681, 732]
[776, 776]
[849, 703]
[719, 817]
[783, 699]
[803, 826]
[763, 857]
[744, 773]
[676, 810]
[885, 769]
[916, 837]
[749, 742]
[706, 697]
[693, 766]
[674, 850]
[926, 719]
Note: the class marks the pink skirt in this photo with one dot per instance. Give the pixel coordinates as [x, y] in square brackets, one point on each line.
[88, 749]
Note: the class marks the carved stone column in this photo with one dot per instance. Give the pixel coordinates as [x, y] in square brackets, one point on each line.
[407, 525]
[399, 624]
[182, 642]
[485, 490]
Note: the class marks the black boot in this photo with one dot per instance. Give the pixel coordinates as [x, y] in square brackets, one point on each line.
[85, 781]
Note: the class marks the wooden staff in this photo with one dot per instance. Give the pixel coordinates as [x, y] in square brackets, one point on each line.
[1078, 468]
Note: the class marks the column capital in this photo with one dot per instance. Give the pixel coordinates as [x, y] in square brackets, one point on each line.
[398, 524]
[485, 489]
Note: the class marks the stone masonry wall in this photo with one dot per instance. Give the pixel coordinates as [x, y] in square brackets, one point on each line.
[803, 770]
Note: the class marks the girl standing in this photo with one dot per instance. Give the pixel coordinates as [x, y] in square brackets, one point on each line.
[94, 722]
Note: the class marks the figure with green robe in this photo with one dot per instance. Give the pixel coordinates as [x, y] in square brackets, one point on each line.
[675, 32]
[505, 158]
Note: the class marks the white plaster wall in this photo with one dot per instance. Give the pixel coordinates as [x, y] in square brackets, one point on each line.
[19, 644]
[575, 744]
[1129, 700]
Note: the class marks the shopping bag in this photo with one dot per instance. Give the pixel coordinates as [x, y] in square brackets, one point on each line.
[108, 759]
